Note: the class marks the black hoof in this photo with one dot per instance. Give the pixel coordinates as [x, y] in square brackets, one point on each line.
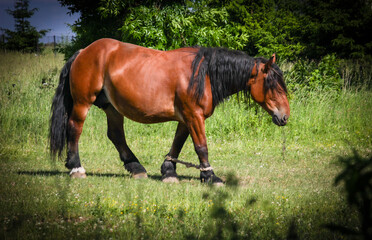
[168, 172]
[135, 168]
[210, 177]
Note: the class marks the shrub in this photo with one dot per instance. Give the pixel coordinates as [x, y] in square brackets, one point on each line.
[311, 75]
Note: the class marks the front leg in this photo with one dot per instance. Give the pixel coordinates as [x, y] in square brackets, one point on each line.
[197, 131]
[168, 169]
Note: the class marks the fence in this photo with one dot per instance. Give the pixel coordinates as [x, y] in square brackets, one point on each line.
[52, 41]
[49, 40]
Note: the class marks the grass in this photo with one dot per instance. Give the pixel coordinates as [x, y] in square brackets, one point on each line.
[280, 181]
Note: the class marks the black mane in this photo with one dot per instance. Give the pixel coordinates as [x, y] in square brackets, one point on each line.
[229, 71]
[274, 78]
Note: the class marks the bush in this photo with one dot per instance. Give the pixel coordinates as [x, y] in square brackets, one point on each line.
[311, 75]
[326, 76]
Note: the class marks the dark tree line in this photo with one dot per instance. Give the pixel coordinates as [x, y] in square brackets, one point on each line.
[293, 29]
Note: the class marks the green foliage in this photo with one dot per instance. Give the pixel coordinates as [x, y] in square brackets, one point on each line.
[25, 37]
[91, 24]
[187, 25]
[176, 26]
[269, 29]
[326, 76]
[292, 29]
[312, 75]
[340, 27]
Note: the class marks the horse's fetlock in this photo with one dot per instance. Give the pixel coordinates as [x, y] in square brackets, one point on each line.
[134, 167]
[168, 167]
[72, 160]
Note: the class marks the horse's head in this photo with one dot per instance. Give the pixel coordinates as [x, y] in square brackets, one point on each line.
[268, 89]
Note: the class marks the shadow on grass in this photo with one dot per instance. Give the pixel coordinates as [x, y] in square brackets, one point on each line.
[66, 173]
[224, 224]
[356, 177]
[180, 177]
[121, 175]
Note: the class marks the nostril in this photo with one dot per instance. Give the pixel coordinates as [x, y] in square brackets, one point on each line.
[280, 120]
[284, 120]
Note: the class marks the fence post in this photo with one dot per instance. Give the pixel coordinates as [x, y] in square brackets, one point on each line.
[54, 45]
[3, 44]
[37, 46]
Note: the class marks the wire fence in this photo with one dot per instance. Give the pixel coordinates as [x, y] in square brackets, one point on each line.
[54, 41]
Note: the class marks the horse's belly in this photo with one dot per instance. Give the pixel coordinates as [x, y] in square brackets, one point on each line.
[144, 88]
[144, 108]
[145, 115]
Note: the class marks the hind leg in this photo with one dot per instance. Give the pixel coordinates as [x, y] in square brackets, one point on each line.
[115, 133]
[75, 127]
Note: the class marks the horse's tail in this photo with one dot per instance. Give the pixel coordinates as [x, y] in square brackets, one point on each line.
[61, 110]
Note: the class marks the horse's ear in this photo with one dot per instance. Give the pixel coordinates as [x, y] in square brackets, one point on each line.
[269, 63]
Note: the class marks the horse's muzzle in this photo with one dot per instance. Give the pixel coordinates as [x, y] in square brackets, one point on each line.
[280, 121]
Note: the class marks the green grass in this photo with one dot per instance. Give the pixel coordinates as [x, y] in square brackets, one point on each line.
[285, 175]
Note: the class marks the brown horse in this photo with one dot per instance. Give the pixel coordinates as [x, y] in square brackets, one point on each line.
[151, 86]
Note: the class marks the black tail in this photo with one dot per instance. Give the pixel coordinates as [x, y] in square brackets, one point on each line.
[61, 110]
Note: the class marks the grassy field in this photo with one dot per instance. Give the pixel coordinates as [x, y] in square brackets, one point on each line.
[280, 181]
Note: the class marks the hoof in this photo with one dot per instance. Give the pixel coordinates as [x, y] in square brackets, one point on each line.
[218, 184]
[210, 178]
[136, 170]
[170, 180]
[139, 175]
[78, 173]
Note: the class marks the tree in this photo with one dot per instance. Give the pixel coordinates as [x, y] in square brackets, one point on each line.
[177, 25]
[293, 29]
[103, 19]
[334, 26]
[25, 37]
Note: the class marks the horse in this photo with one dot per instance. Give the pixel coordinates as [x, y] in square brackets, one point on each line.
[153, 86]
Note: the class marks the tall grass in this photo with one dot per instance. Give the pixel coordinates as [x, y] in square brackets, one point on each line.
[356, 74]
[280, 180]
[27, 84]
